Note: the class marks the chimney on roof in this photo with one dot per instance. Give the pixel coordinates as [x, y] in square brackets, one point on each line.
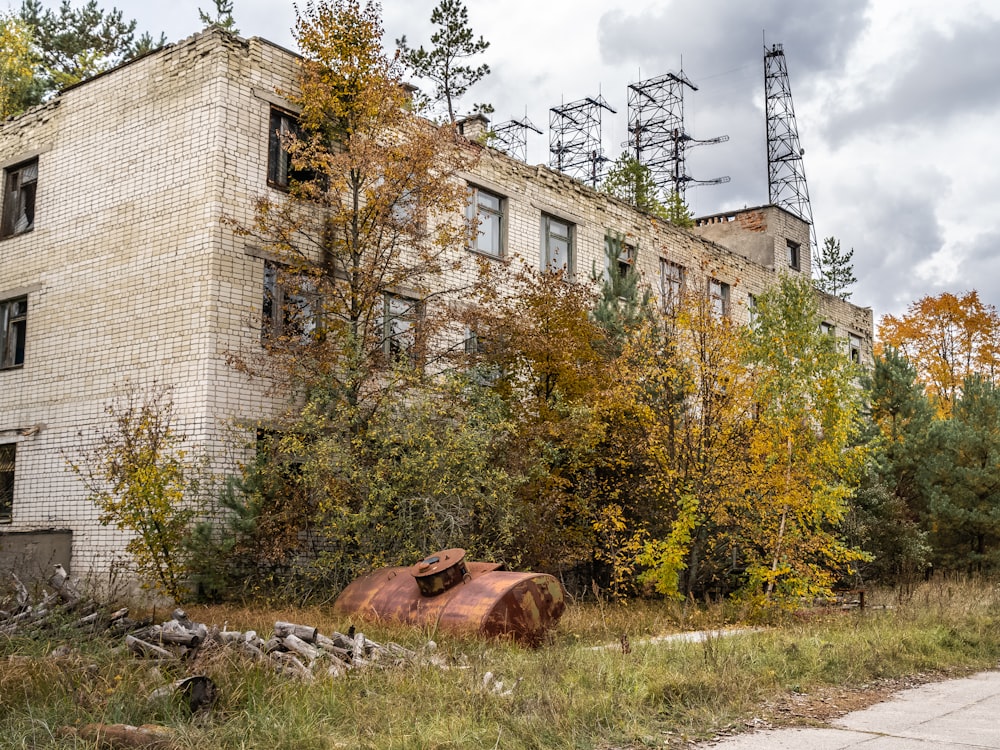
[474, 127]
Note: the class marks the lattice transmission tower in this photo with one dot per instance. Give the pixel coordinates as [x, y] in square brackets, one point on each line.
[786, 174]
[512, 137]
[575, 139]
[657, 137]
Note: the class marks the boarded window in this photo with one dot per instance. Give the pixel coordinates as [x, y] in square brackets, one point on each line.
[13, 328]
[19, 199]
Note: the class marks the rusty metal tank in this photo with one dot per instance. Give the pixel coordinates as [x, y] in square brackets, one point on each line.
[447, 592]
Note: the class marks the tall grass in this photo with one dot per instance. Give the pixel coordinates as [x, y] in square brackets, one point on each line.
[568, 694]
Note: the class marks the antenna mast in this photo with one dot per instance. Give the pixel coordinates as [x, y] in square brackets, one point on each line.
[657, 137]
[512, 137]
[786, 175]
[575, 139]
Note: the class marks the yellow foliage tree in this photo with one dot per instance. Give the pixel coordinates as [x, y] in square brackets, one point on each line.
[948, 338]
[17, 64]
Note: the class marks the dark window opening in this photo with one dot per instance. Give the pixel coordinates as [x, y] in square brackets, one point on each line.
[8, 453]
[792, 250]
[280, 173]
[13, 329]
[288, 307]
[19, 199]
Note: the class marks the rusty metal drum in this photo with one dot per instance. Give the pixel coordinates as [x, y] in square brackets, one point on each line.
[445, 592]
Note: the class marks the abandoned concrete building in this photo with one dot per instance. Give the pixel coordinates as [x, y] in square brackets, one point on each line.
[116, 265]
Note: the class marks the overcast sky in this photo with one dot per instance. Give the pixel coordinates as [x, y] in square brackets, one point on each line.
[897, 103]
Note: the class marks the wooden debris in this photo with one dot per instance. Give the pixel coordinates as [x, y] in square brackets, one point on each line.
[123, 736]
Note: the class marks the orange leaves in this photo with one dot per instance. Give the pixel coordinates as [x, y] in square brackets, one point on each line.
[947, 338]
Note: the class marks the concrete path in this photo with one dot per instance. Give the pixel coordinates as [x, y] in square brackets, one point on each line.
[951, 715]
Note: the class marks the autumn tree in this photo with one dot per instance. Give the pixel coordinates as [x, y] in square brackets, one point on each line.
[17, 63]
[948, 338]
[73, 44]
[835, 269]
[137, 475]
[361, 245]
[444, 64]
[632, 182]
[802, 460]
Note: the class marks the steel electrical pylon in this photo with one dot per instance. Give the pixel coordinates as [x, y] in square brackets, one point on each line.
[512, 137]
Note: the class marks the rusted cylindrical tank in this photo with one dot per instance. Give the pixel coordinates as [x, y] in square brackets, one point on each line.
[447, 592]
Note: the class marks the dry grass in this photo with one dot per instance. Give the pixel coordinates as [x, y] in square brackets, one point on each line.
[569, 695]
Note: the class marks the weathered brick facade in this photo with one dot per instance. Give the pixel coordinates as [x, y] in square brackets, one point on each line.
[131, 275]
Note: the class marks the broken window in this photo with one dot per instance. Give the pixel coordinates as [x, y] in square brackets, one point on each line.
[751, 310]
[854, 342]
[718, 295]
[13, 326]
[827, 329]
[283, 125]
[19, 199]
[288, 310]
[7, 455]
[792, 254]
[671, 284]
[557, 245]
[484, 212]
[402, 317]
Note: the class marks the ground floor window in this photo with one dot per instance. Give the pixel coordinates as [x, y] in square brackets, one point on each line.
[7, 455]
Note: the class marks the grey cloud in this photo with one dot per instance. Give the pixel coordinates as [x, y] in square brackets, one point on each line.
[943, 77]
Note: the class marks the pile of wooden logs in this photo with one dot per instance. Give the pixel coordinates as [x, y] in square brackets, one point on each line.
[296, 650]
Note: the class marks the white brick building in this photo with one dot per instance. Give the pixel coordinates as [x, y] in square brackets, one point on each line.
[116, 266]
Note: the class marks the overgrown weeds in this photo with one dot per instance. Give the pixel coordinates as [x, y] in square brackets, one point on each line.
[581, 690]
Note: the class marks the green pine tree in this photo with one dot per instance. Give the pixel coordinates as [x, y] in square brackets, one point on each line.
[835, 269]
[443, 64]
[223, 16]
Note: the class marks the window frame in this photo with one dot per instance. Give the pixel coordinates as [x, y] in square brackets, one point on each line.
[18, 201]
[13, 332]
[793, 255]
[7, 480]
[413, 315]
[670, 298]
[473, 211]
[719, 301]
[298, 322]
[279, 162]
[854, 345]
[567, 268]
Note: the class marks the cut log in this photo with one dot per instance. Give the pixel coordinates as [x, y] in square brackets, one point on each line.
[306, 633]
[174, 632]
[123, 736]
[300, 647]
[146, 649]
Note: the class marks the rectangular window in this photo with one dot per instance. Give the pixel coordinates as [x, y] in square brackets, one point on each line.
[402, 317]
[283, 125]
[671, 284]
[13, 327]
[827, 329]
[7, 454]
[751, 310]
[288, 309]
[718, 294]
[485, 212]
[19, 199]
[557, 245]
[855, 348]
[792, 254]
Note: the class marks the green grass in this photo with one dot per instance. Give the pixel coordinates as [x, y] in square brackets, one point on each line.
[569, 696]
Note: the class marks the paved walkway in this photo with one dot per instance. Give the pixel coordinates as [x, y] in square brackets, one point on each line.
[950, 715]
